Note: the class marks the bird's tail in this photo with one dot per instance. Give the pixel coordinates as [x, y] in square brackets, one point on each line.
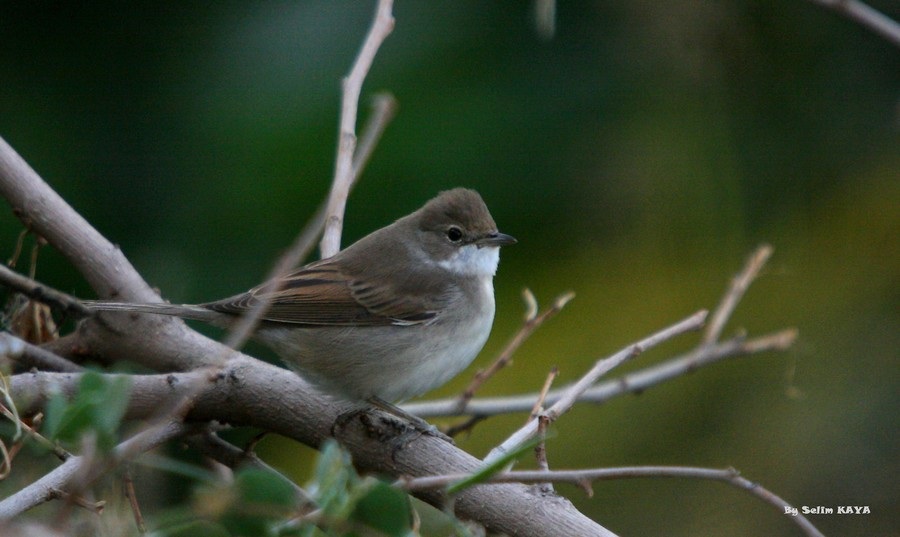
[185, 311]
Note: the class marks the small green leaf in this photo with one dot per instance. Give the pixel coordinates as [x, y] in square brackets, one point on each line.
[54, 411]
[263, 487]
[385, 509]
[263, 499]
[334, 478]
[99, 405]
[108, 411]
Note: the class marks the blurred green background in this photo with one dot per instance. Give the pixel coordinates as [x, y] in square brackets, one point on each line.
[639, 156]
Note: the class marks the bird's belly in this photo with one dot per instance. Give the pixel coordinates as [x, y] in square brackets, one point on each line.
[393, 363]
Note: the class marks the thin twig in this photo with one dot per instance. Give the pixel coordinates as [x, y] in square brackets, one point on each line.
[352, 86]
[728, 475]
[128, 486]
[865, 16]
[6, 465]
[545, 18]
[532, 322]
[234, 457]
[42, 293]
[540, 452]
[570, 396]
[632, 383]
[384, 108]
[465, 426]
[739, 285]
[77, 500]
[17, 250]
[29, 355]
[542, 396]
[60, 479]
[60, 453]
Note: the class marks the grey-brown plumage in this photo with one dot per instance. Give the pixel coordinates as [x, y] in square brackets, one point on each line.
[397, 313]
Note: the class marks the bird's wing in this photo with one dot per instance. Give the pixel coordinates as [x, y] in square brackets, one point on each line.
[322, 294]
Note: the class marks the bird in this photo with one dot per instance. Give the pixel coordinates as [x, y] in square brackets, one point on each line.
[392, 316]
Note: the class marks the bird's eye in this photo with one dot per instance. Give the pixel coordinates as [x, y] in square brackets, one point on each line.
[454, 234]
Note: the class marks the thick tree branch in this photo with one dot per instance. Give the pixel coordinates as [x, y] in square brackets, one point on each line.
[28, 355]
[47, 214]
[247, 392]
[157, 342]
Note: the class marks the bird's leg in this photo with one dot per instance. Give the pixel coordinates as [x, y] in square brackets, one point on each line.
[420, 425]
[414, 426]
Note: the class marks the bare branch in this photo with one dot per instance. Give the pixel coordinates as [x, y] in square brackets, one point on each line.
[234, 457]
[352, 86]
[542, 396]
[570, 396]
[632, 383]
[60, 479]
[383, 109]
[30, 355]
[728, 475]
[157, 342]
[739, 286]
[248, 392]
[532, 322]
[865, 16]
[41, 293]
[44, 211]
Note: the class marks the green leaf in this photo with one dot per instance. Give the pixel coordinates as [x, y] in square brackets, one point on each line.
[99, 405]
[263, 487]
[54, 411]
[334, 478]
[263, 500]
[109, 411]
[385, 509]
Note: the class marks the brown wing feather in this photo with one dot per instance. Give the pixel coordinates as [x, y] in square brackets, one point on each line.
[323, 295]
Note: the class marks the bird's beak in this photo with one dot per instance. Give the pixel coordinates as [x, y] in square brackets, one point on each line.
[495, 239]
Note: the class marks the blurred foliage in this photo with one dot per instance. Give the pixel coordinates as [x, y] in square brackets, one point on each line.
[97, 409]
[259, 502]
[638, 156]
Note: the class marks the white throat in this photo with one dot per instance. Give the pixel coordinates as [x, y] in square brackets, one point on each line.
[470, 260]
